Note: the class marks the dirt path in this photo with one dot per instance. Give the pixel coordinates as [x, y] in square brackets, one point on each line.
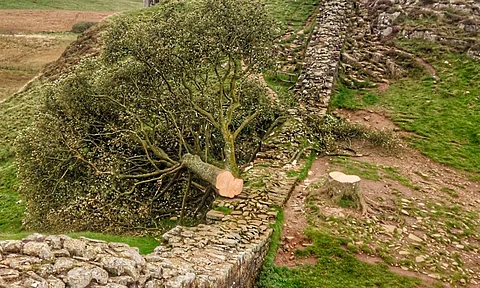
[28, 21]
[427, 225]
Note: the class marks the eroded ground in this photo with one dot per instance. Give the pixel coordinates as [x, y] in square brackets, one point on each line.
[426, 222]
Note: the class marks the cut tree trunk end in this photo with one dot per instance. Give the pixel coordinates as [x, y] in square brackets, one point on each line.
[341, 186]
[223, 180]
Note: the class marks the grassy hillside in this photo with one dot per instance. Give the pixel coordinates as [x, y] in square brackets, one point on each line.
[16, 113]
[83, 5]
[443, 114]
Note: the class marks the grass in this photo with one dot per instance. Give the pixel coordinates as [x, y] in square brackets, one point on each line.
[292, 14]
[11, 210]
[302, 174]
[442, 114]
[373, 172]
[352, 99]
[223, 209]
[83, 5]
[336, 266]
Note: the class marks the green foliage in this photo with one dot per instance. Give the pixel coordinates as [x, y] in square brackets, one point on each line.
[106, 150]
[81, 27]
[223, 209]
[11, 210]
[82, 5]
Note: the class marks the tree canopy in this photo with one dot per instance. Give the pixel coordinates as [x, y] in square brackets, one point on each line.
[108, 148]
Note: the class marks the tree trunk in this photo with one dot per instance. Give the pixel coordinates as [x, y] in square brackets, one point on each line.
[223, 180]
[230, 159]
[341, 186]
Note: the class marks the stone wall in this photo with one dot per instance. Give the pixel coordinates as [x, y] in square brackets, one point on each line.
[229, 251]
[322, 56]
[226, 253]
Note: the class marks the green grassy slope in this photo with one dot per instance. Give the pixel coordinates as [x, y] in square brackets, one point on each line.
[83, 5]
[443, 114]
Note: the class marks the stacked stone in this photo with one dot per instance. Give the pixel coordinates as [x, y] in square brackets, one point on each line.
[59, 261]
[226, 253]
[322, 56]
[364, 56]
[230, 251]
[367, 54]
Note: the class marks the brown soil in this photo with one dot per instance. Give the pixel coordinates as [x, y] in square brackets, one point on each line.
[22, 58]
[370, 119]
[423, 208]
[17, 21]
[293, 237]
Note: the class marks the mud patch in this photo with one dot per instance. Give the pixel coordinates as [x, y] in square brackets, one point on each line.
[370, 119]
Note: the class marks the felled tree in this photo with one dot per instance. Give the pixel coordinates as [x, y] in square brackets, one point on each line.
[160, 112]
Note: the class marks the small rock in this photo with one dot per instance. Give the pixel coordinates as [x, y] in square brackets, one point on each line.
[119, 266]
[420, 259]
[36, 237]
[54, 282]
[63, 264]
[74, 246]
[415, 238]
[12, 246]
[100, 275]
[389, 228]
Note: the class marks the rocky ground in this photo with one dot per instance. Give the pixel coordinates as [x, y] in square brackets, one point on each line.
[369, 53]
[59, 261]
[426, 217]
[426, 222]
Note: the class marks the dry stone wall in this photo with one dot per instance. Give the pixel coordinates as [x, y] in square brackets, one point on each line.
[229, 251]
[322, 56]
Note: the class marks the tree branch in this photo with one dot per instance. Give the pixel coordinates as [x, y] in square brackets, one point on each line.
[244, 124]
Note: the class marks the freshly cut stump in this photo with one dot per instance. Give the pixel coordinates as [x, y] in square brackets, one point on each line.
[341, 186]
[223, 180]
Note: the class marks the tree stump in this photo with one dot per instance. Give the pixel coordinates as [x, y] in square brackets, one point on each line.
[226, 184]
[340, 186]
